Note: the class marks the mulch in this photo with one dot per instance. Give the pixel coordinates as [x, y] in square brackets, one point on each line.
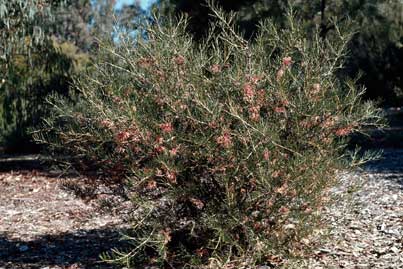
[366, 220]
[44, 225]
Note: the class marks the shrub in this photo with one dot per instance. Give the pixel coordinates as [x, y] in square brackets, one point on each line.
[28, 80]
[227, 148]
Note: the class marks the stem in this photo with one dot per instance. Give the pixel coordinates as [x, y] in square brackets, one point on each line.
[323, 27]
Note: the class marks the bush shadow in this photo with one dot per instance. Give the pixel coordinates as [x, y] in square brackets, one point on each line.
[78, 250]
[391, 162]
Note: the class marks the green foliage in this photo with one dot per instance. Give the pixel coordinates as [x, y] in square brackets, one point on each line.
[24, 90]
[376, 50]
[33, 64]
[71, 23]
[21, 25]
[226, 147]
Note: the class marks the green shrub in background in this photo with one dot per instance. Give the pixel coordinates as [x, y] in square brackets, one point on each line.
[21, 30]
[27, 82]
[226, 148]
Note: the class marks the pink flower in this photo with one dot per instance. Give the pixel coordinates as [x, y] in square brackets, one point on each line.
[280, 109]
[117, 99]
[212, 124]
[202, 252]
[248, 91]
[120, 150]
[197, 202]
[167, 235]
[282, 189]
[255, 79]
[224, 140]
[166, 127]
[173, 151]
[280, 74]
[159, 140]
[308, 210]
[107, 124]
[306, 124]
[159, 149]
[151, 185]
[316, 88]
[179, 60]
[123, 136]
[287, 61]
[215, 69]
[145, 62]
[161, 75]
[329, 122]
[284, 210]
[266, 154]
[171, 176]
[343, 131]
[254, 113]
[292, 193]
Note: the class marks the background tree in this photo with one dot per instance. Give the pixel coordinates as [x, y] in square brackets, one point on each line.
[27, 65]
[72, 23]
[43, 44]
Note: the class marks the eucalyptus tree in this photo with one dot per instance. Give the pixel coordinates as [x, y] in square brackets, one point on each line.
[30, 67]
[42, 44]
[22, 25]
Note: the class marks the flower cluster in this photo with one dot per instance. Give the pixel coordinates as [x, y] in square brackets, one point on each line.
[286, 63]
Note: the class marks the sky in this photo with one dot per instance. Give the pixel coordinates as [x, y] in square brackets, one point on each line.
[145, 4]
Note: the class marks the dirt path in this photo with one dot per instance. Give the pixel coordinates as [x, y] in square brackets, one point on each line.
[44, 226]
[367, 221]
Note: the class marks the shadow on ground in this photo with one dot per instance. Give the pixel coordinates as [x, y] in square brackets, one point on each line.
[22, 162]
[77, 250]
[390, 142]
[389, 166]
[391, 163]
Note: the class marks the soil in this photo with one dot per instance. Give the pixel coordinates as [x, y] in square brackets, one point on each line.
[44, 225]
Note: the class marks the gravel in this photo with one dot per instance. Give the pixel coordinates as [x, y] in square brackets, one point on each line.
[366, 222]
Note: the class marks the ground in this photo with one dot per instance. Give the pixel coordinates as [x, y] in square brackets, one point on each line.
[367, 221]
[44, 225]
